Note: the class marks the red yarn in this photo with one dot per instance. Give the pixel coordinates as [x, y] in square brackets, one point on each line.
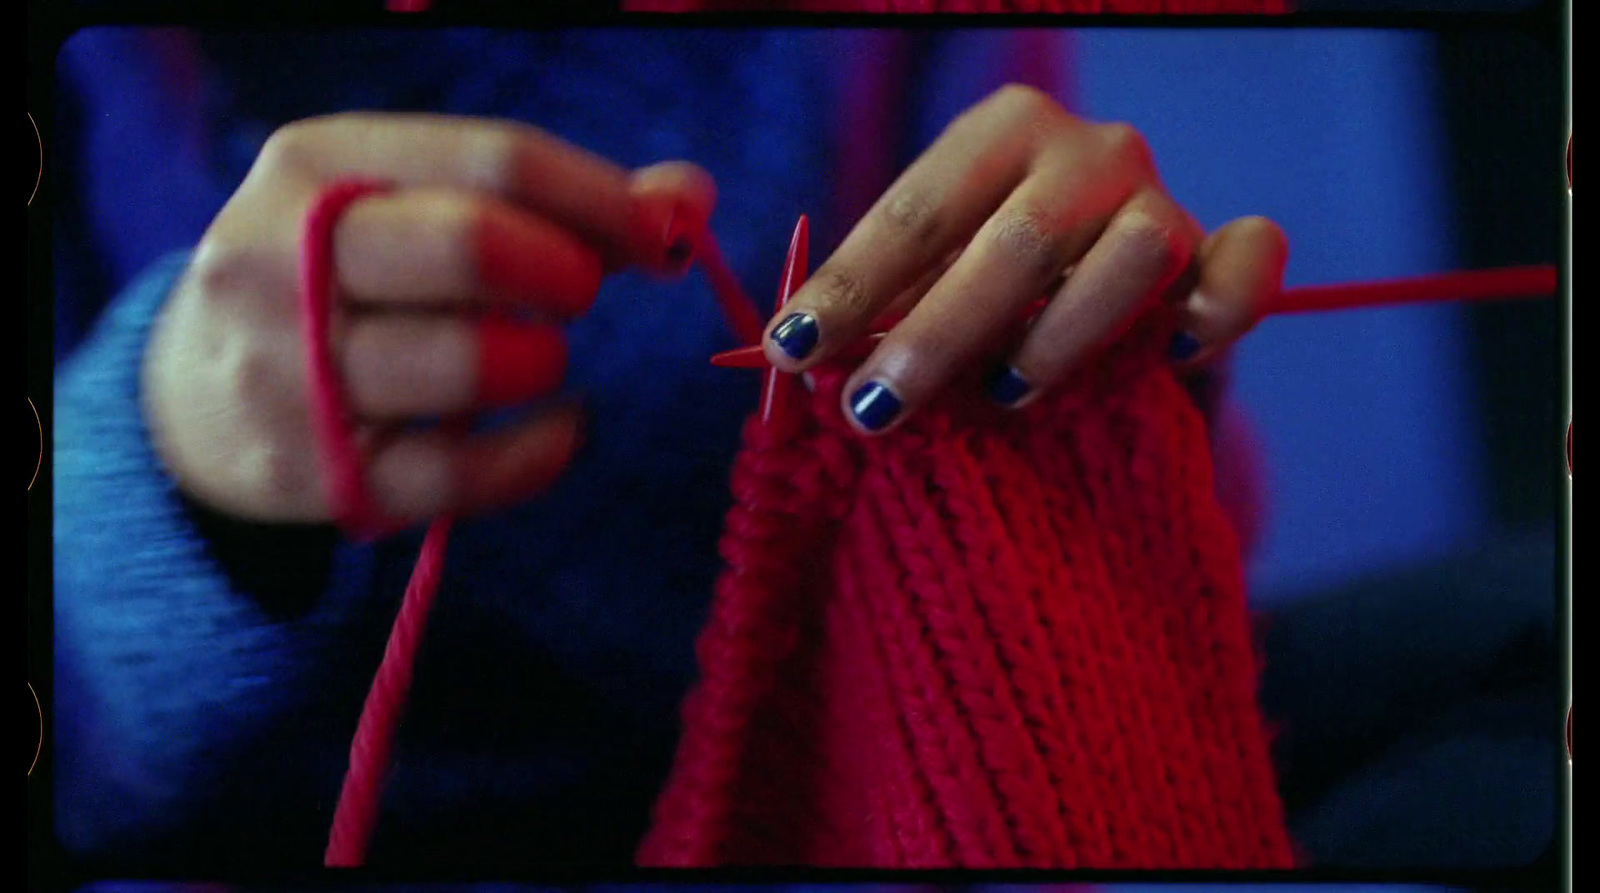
[330, 412]
[356, 816]
[739, 312]
[987, 639]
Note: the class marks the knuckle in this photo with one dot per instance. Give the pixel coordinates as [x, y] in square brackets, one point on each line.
[1265, 232]
[1024, 100]
[1017, 104]
[291, 147]
[913, 215]
[1124, 141]
[1031, 237]
[220, 266]
[842, 292]
[1158, 242]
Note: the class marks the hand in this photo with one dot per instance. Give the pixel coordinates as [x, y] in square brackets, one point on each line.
[484, 216]
[1015, 198]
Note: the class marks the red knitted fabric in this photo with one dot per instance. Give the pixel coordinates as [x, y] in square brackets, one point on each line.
[1102, 7]
[987, 639]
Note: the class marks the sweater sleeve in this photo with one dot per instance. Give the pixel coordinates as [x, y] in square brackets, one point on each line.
[170, 670]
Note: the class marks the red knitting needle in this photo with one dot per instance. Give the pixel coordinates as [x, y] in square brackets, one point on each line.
[1477, 285]
[776, 387]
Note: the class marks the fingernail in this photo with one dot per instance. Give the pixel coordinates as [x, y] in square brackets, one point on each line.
[796, 335]
[874, 406]
[678, 247]
[679, 253]
[1007, 387]
[1183, 346]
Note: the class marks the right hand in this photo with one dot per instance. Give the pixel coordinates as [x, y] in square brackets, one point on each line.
[484, 214]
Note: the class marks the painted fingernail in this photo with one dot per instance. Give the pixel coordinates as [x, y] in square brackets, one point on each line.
[874, 406]
[679, 253]
[679, 248]
[796, 335]
[1183, 346]
[1007, 387]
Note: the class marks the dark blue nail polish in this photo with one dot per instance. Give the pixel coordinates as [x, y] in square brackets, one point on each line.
[874, 406]
[1007, 386]
[1183, 346]
[679, 253]
[796, 335]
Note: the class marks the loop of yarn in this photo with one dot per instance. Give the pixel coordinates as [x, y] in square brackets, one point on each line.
[355, 818]
[342, 466]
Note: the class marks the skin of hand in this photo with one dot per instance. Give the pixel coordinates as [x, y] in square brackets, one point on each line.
[1018, 199]
[451, 286]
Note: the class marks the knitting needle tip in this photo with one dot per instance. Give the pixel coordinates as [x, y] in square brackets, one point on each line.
[794, 266]
[775, 386]
[754, 357]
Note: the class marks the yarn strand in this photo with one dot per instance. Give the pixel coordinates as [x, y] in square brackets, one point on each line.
[356, 817]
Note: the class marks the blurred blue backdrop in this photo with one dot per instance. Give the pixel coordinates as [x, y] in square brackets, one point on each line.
[1366, 417]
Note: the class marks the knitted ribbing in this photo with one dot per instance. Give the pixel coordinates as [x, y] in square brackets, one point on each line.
[985, 639]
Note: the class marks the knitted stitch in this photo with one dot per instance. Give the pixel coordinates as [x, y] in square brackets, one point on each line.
[926, 649]
[987, 639]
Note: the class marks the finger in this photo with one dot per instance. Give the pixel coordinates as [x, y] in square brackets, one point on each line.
[930, 211]
[431, 246]
[682, 197]
[418, 476]
[401, 366]
[1241, 274]
[1146, 246]
[1045, 226]
[562, 183]
[901, 305]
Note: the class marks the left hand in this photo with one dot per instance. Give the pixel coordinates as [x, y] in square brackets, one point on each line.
[1013, 195]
